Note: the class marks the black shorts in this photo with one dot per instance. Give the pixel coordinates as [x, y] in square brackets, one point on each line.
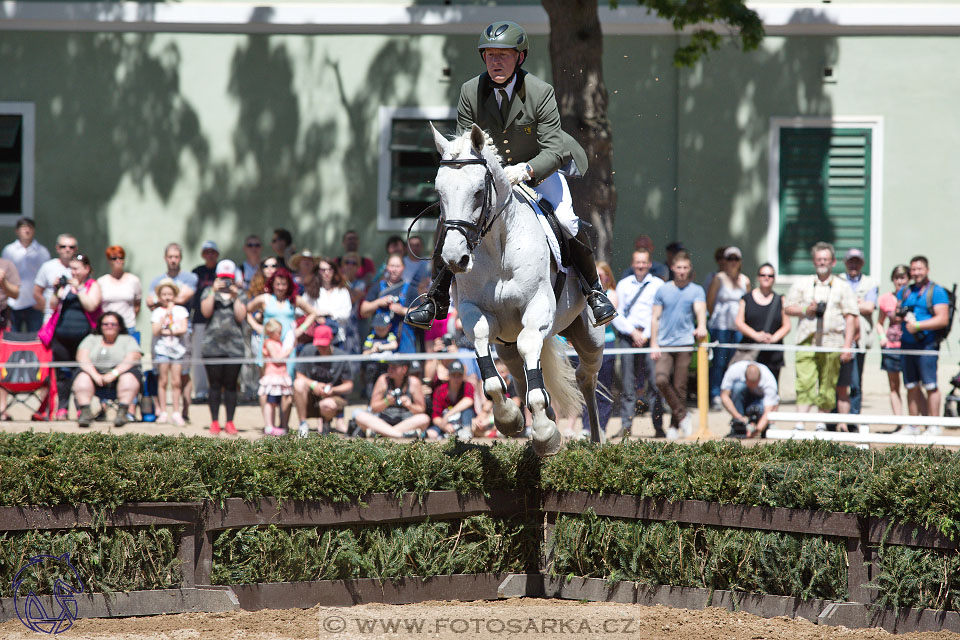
[395, 415]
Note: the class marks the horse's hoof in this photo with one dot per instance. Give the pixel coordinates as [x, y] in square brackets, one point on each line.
[511, 427]
[548, 446]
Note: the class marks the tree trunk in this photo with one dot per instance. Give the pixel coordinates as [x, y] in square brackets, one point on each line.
[576, 55]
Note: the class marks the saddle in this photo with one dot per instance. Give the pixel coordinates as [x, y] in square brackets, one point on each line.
[557, 240]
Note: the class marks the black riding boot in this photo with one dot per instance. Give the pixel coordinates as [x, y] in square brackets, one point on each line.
[435, 304]
[582, 255]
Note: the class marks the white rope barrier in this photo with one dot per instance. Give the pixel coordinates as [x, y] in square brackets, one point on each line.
[854, 418]
[864, 438]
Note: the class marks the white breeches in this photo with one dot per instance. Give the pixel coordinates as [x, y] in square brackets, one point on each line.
[557, 193]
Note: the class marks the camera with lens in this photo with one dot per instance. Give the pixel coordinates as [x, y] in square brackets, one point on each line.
[738, 429]
[396, 394]
[821, 309]
[754, 413]
[62, 282]
[447, 341]
[901, 311]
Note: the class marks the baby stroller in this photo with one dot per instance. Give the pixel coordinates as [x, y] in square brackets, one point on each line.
[24, 383]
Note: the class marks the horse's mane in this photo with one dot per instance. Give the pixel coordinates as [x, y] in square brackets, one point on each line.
[461, 144]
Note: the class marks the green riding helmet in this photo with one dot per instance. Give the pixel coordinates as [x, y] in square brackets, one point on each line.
[504, 35]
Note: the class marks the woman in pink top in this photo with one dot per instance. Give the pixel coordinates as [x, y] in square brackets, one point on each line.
[890, 339]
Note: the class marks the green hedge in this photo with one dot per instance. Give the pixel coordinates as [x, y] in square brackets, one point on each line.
[699, 556]
[478, 544]
[914, 484]
[908, 484]
[110, 560]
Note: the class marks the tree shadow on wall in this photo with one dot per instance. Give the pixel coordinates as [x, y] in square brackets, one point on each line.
[273, 178]
[738, 93]
[108, 107]
[396, 64]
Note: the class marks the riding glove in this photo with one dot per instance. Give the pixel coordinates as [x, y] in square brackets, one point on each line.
[518, 173]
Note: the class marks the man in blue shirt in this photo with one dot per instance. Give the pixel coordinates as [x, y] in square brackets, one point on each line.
[679, 319]
[926, 309]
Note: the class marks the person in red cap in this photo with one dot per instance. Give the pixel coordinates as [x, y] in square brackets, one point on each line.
[321, 388]
[223, 306]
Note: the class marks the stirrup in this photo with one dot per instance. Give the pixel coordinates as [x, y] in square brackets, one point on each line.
[423, 314]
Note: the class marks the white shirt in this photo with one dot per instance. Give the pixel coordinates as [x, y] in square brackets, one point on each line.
[28, 261]
[737, 372]
[509, 89]
[48, 277]
[641, 313]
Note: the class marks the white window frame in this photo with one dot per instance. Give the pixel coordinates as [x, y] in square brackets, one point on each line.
[27, 111]
[875, 124]
[386, 117]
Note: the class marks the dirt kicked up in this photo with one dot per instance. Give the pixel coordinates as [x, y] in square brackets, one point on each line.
[515, 618]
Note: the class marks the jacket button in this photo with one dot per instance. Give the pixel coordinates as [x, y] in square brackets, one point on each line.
[506, 142]
[506, 150]
[509, 159]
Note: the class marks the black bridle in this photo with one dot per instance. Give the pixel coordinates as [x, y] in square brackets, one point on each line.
[473, 232]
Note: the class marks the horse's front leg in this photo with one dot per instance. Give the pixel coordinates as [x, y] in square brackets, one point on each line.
[480, 328]
[537, 322]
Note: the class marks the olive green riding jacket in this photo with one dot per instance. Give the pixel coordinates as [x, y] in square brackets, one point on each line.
[531, 133]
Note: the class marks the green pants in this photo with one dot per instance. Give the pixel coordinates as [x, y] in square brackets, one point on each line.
[817, 374]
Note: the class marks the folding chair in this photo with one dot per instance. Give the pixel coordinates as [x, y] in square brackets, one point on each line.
[25, 383]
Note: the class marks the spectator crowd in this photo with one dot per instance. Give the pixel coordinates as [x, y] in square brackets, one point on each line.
[282, 308]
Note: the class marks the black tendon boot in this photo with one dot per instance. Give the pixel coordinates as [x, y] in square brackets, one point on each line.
[582, 254]
[434, 305]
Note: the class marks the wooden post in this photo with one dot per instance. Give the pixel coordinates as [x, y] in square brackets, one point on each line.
[703, 392]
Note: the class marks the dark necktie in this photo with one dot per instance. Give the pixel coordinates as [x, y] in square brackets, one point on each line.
[504, 105]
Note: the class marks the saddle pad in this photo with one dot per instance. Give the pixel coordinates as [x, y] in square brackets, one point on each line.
[552, 242]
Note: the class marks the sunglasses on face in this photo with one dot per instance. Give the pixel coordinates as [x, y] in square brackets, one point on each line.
[270, 265]
[116, 258]
[254, 245]
[66, 246]
[765, 275]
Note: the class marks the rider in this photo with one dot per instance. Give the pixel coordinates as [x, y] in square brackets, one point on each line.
[520, 111]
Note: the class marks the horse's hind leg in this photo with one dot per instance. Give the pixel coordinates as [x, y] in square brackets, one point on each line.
[588, 341]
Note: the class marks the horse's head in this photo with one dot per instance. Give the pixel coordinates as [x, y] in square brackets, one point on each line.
[473, 189]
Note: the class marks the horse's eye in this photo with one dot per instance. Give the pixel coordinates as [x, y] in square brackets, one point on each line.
[477, 200]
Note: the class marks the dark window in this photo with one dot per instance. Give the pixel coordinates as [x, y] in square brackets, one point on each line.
[825, 187]
[11, 164]
[413, 164]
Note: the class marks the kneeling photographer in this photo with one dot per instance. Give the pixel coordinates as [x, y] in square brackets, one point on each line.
[749, 394]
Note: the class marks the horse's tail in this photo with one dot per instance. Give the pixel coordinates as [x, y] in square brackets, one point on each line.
[560, 378]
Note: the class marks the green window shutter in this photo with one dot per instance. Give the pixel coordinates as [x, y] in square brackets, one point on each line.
[11, 163]
[414, 163]
[825, 187]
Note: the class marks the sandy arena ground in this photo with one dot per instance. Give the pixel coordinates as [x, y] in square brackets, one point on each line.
[515, 618]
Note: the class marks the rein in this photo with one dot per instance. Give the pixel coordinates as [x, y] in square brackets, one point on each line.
[473, 232]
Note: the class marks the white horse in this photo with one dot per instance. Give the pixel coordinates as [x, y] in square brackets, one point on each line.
[504, 293]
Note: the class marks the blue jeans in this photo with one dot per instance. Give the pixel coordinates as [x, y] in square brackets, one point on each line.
[27, 320]
[721, 357]
[744, 399]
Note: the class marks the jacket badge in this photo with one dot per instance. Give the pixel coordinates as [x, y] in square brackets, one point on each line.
[528, 130]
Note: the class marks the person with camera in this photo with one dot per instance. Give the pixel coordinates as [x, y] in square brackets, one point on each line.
[320, 389]
[50, 273]
[453, 406]
[223, 304]
[397, 405]
[748, 392]
[393, 296]
[828, 311]
[924, 307]
[635, 294]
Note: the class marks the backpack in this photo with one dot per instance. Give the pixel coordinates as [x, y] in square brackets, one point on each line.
[939, 334]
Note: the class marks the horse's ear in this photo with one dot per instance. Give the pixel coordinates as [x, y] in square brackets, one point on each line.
[477, 139]
[438, 139]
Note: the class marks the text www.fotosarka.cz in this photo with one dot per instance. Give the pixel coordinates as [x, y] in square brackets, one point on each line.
[336, 624]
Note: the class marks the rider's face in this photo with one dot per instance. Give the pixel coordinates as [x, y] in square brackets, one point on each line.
[501, 63]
